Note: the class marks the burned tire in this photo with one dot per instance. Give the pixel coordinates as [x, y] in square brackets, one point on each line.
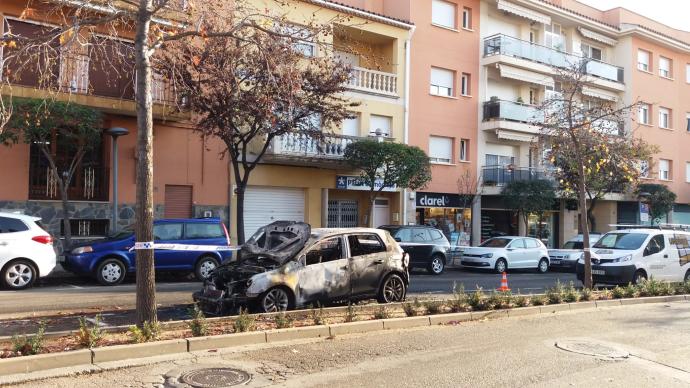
[393, 289]
[204, 266]
[275, 300]
[111, 272]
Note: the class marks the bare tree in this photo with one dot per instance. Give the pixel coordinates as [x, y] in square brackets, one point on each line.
[253, 88]
[587, 138]
[469, 190]
[94, 29]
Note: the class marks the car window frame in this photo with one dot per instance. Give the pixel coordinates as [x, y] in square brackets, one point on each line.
[423, 241]
[521, 240]
[182, 231]
[661, 249]
[375, 235]
[343, 254]
[26, 227]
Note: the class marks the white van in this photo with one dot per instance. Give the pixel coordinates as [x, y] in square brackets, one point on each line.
[633, 255]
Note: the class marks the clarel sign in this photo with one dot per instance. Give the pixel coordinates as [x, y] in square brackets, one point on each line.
[437, 200]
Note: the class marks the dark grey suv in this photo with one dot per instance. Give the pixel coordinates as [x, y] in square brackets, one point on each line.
[428, 247]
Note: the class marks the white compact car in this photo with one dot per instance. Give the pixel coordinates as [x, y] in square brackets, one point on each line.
[566, 257]
[634, 255]
[26, 251]
[507, 252]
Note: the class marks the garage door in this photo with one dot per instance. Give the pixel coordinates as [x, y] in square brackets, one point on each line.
[178, 201]
[263, 205]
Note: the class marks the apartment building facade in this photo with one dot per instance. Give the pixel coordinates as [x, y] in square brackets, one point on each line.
[300, 179]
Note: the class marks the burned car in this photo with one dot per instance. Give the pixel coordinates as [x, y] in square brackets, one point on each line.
[286, 265]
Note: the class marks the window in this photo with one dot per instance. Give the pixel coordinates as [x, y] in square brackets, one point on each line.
[442, 82]
[204, 230]
[325, 251]
[643, 114]
[531, 243]
[655, 245]
[12, 225]
[464, 151]
[664, 169]
[518, 243]
[643, 60]
[420, 235]
[592, 52]
[365, 244]
[404, 235]
[665, 67]
[351, 126]
[299, 36]
[440, 149]
[436, 235]
[467, 18]
[465, 84]
[443, 14]
[664, 118]
[644, 168]
[163, 232]
[687, 122]
[687, 172]
[380, 125]
[553, 37]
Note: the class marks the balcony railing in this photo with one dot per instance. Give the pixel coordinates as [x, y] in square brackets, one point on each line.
[373, 81]
[89, 184]
[507, 45]
[502, 175]
[513, 111]
[329, 146]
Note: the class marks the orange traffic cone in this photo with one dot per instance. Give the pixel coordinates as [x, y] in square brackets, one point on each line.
[504, 283]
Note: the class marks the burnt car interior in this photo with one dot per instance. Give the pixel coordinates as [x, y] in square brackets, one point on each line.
[325, 251]
[365, 244]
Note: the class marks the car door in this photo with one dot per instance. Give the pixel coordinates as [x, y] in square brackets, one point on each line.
[423, 246]
[532, 252]
[516, 253]
[656, 257]
[205, 233]
[167, 234]
[11, 244]
[404, 238]
[325, 275]
[367, 259]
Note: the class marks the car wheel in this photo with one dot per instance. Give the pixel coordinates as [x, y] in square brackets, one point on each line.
[18, 275]
[275, 300]
[437, 265]
[501, 266]
[204, 267]
[110, 272]
[687, 277]
[543, 266]
[392, 290]
[639, 277]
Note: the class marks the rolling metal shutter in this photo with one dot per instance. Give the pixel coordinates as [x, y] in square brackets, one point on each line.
[263, 205]
[178, 201]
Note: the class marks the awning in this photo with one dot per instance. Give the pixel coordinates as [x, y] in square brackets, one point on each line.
[525, 75]
[510, 135]
[597, 36]
[524, 12]
[599, 93]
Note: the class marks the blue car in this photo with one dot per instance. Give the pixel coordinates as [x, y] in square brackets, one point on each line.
[187, 245]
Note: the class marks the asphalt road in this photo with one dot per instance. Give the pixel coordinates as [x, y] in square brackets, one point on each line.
[66, 298]
[513, 352]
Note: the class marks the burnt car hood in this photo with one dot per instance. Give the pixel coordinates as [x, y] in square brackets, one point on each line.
[279, 242]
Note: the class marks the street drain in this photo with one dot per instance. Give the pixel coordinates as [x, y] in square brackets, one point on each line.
[215, 377]
[591, 348]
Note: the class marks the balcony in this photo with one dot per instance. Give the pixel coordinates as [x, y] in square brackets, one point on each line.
[88, 184]
[502, 175]
[512, 111]
[372, 81]
[302, 149]
[507, 45]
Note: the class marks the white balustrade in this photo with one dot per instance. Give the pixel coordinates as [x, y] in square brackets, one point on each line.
[301, 144]
[373, 81]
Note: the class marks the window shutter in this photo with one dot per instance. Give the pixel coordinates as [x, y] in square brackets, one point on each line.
[442, 77]
[380, 122]
[441, 148]
[443, 13]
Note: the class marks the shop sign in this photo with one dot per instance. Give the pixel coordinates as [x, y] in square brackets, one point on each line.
[348, 182]
[437, 200]
[644, 212]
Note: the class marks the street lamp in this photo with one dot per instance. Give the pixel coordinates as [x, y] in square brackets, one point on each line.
[115, 132]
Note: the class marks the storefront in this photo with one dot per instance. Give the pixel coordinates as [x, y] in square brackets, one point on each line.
[445, 212]
[348, 204]
[497, 220]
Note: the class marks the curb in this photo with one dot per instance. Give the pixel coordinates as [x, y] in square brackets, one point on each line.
[21, 365]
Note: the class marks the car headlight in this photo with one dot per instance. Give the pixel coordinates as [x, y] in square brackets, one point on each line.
[487, 255]
[622, 259]
[406, 259]
[80, 250]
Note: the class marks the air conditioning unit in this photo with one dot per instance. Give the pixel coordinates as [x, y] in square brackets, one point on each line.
[208, 213]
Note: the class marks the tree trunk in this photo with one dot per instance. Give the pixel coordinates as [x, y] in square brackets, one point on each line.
[66, 227]
[582, 196]
[240, 213]
[145, 275]
[590, 214]
[372, 200]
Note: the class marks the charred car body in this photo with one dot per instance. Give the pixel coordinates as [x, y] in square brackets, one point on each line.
[287, 265]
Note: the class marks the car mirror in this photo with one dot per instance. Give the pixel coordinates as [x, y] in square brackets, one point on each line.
[510, 249]
[398, 239]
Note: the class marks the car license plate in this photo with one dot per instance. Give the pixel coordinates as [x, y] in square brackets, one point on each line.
[598, 272]
[555, 262]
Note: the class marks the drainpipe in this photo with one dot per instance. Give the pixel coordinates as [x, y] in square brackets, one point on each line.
[406, 123]
[230, 198]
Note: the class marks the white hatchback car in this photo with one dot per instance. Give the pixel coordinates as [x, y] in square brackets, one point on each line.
[507, 252]
[26, 251]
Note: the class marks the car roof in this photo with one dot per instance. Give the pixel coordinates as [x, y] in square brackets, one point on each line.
[188, 220]
[321, 232]
[511, 237]
[20, 216]
[405, 227]
[650, 231]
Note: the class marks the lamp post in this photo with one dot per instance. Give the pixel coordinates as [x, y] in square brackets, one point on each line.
[115, 132]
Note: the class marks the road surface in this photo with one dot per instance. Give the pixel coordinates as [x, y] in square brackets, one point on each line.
[513, 352]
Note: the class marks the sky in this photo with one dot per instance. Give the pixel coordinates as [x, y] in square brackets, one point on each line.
[673, 13]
